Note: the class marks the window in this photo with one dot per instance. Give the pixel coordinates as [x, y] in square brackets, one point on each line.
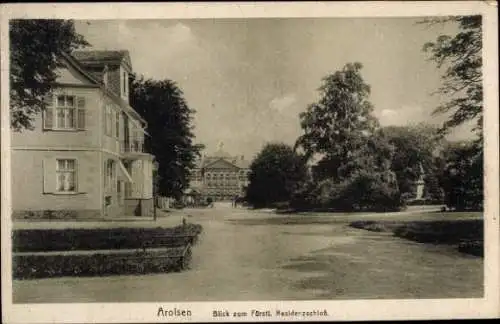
[117, 124]
[110, 175]
[125, 83]
[66, 175]
[119, 192]
[65, 112]
[108, 124]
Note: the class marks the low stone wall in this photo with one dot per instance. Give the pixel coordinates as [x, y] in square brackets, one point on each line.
[56, 214]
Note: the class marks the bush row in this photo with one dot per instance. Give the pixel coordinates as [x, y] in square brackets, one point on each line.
[423, 202]
[35, 240]
[374, 226]
[441, 232]
[30, 266]
[467, 234]
[472, 247]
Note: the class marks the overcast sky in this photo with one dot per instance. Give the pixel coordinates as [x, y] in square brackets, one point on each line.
[248, 79]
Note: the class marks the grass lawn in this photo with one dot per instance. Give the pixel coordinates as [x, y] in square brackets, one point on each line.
[465, 231]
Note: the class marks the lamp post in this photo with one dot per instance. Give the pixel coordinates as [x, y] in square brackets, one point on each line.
[155, 183]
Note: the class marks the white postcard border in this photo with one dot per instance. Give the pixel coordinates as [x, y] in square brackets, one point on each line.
[201, 311]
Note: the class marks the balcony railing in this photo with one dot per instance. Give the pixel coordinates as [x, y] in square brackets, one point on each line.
[133, 146]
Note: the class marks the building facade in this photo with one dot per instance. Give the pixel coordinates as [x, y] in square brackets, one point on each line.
[85, 156]
[220, 176]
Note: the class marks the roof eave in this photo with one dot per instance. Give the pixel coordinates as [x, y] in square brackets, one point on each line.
[75, 63]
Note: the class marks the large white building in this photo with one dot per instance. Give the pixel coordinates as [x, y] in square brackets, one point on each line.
[220, 176]
[85, 157]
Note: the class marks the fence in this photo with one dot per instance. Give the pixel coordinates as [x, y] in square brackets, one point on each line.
[164, 202]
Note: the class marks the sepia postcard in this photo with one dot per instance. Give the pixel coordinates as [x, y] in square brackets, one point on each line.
[241, 162]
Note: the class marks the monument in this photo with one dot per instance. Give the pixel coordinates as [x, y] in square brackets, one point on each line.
[420, 185]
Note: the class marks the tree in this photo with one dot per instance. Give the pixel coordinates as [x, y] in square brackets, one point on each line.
[275, 174]
[370, 184]
[339, 123]
[354, 157]
[414, 148]
[461, 57]
[162, 105]
[35, 48]
[462, 175]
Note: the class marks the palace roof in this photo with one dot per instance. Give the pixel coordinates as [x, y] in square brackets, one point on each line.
[238, 161]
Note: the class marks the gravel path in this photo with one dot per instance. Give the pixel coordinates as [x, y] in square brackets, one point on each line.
[255, 255]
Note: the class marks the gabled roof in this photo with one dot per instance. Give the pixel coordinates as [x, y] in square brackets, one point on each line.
[70, 59]
[75, 64]
[242, 164]
[238, 162]
[103, 57]
[219, 162]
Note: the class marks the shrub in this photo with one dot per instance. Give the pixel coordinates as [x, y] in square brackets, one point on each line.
[462, 176]
[442, 232]
[363, 191]
[30, 266]
[472, 247]
[24, 240]
[424, 202]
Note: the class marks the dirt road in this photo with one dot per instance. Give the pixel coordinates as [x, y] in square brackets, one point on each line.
[256, 255]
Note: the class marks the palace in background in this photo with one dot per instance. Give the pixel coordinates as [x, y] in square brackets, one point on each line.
[219, 176]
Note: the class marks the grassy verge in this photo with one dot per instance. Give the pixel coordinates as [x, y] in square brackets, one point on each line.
[38, 240]
[466, 234]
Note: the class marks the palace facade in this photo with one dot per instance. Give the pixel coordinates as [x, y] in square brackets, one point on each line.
[220, 176]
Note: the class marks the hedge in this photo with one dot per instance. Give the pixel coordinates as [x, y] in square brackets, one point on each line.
[424, 202]
[472, 247]
[374, 226]
[30, 266]
[441, 232]
[466, 234]
[37, 240]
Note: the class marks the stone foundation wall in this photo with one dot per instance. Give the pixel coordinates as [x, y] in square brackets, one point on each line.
[132, 207]
[56, 214]
[139, 207]
[147, 207]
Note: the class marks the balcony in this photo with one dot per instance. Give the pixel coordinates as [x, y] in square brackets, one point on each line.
[133, 148]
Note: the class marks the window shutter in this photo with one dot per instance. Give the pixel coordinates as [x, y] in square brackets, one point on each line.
[48, 113]
[80, 105]
[112, 121]
[49, 175]
[105, 172]
[83, 180]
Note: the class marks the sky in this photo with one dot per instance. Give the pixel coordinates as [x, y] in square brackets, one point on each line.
[248, 79]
